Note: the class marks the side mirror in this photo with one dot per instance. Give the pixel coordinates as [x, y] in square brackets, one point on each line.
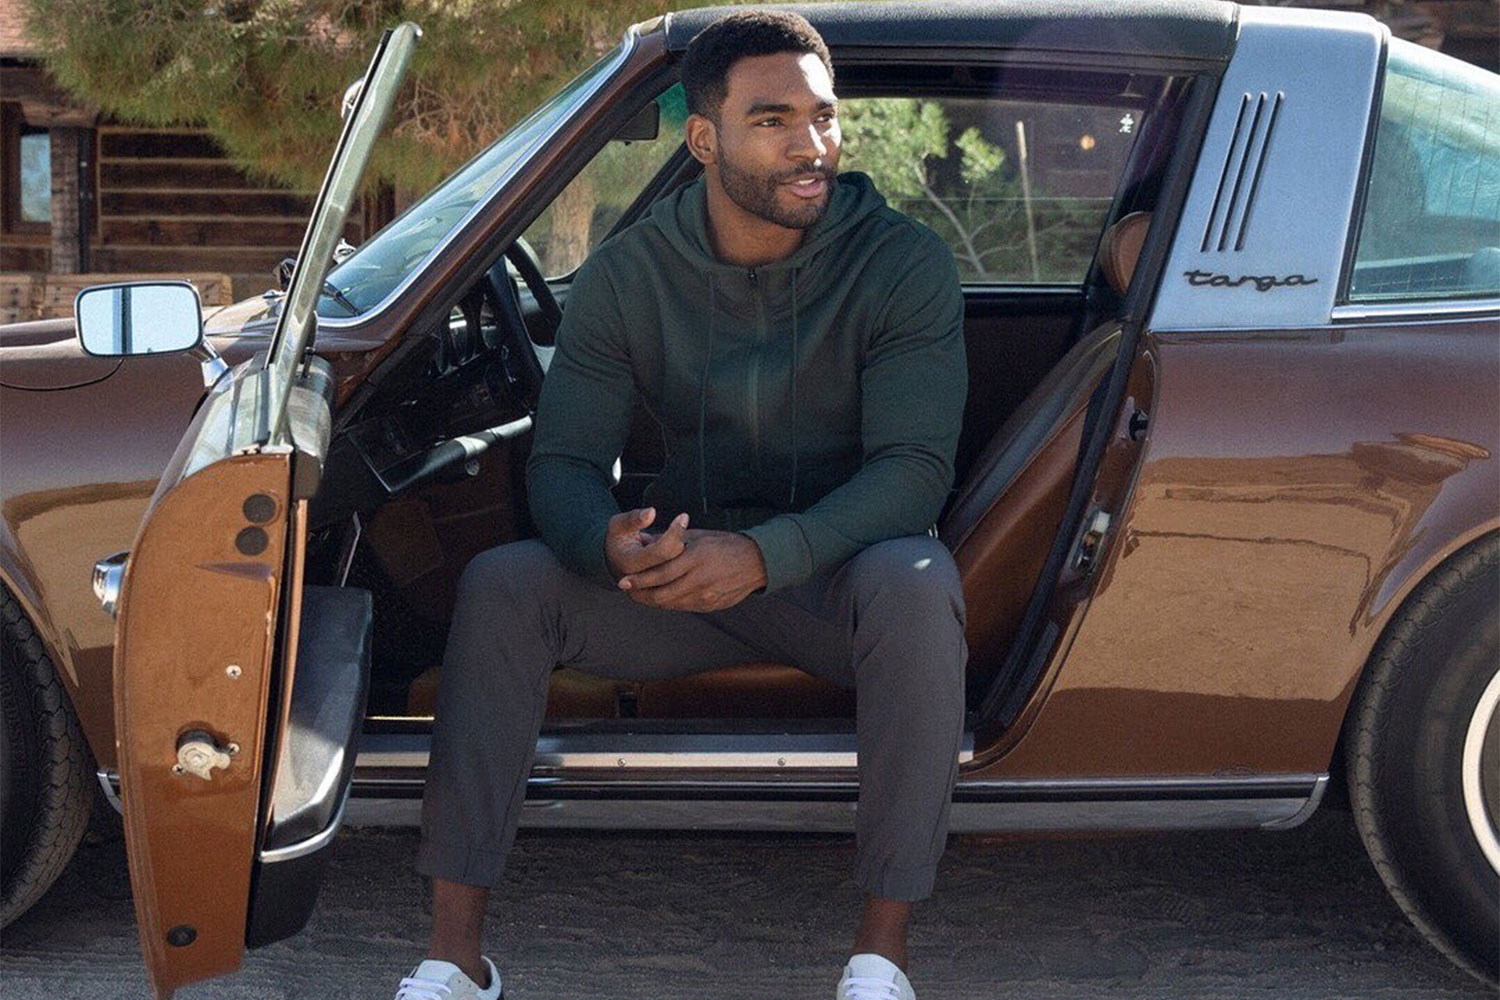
[138, 317]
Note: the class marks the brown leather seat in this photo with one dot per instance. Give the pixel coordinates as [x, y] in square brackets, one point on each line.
[999, 527]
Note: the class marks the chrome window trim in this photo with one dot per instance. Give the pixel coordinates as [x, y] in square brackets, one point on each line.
[627, 47]
[297, 322]
[1414, 310]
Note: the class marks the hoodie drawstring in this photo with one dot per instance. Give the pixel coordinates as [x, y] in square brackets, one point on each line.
[703, 399]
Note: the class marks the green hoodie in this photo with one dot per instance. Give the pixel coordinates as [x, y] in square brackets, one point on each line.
[812, 404]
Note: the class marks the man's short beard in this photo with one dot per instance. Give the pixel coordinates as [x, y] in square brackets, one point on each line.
[757, 195]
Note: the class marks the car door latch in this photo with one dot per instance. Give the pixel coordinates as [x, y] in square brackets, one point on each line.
[199, 754]
[1091, 542]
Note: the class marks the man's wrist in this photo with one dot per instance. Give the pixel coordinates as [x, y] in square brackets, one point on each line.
[756, 559]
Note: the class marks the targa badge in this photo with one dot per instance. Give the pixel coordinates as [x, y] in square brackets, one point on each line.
[1262, 282]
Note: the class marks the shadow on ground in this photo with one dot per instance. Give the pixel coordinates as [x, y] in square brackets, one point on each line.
[1299, 914]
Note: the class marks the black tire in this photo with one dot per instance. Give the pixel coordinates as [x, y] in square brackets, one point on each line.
[1405, 747]
[46, 769]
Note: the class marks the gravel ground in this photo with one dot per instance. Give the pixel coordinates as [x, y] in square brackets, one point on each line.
[1295, 915]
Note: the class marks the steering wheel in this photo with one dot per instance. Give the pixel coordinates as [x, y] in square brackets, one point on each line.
[523, 358]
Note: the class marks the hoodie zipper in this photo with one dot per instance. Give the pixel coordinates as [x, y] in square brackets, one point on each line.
[752, 375]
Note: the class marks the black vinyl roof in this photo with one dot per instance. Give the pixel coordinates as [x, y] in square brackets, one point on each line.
[1169, 29]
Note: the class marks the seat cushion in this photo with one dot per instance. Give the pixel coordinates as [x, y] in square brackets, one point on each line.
[745, 691]
[572, 694]
[1120, 249]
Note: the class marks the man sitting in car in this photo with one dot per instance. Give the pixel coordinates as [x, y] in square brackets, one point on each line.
[801, 344]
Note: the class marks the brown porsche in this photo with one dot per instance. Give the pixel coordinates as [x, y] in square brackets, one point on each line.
[1227, 507]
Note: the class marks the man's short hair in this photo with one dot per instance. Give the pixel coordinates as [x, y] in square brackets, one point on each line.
[746, 33]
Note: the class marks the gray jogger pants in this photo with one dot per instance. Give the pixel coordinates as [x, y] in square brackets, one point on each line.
[889, 623]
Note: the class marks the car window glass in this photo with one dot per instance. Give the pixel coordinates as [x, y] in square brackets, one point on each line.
[1431, 225]
[383, 261]
[1020, 190]
[594, 201]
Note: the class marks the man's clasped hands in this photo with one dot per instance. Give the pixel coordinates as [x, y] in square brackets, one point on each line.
[681, 569]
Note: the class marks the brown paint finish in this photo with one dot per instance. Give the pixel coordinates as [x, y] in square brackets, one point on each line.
[78, 479]
[195, 605]
[1296, 486]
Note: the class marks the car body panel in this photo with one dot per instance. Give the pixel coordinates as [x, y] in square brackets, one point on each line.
[58, 518]
[1296, 486]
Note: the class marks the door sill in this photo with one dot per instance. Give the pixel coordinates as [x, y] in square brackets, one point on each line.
[388, 782]
[392, 761]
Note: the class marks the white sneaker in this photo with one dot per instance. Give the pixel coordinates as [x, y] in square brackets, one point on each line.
[874, 977]
[434, 979]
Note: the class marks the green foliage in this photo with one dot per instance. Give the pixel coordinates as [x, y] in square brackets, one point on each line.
[893, 140]
[266, 76]
[960, 187]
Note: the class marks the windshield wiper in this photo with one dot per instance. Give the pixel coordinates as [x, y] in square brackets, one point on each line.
[331, 290]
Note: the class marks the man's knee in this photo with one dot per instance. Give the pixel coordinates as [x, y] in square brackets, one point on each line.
[914, 575]
[507, 571]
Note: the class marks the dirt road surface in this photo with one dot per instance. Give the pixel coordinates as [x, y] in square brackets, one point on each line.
[1298, 915]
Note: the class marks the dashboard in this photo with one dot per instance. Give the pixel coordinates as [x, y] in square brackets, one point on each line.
[433, 416]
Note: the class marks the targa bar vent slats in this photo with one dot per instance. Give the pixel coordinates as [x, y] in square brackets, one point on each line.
[1245, 162]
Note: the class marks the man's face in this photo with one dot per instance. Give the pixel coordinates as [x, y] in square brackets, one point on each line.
[778, 138]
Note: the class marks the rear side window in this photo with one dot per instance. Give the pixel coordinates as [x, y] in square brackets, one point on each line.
[1431, 225]
[1019, 189]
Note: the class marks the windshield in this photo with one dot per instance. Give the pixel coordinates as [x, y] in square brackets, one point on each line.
[384, 261]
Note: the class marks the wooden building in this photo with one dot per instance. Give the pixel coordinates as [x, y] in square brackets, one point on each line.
[82, 194]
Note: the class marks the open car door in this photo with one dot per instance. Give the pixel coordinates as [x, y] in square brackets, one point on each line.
[238, 695]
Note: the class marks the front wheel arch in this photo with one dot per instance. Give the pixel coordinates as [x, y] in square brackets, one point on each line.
[46, 767]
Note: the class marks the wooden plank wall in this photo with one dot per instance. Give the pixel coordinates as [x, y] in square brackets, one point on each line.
[168, 200]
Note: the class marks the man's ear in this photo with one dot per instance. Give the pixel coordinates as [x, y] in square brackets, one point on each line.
[702, 138]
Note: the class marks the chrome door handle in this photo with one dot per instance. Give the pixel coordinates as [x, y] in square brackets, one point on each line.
[109, 574]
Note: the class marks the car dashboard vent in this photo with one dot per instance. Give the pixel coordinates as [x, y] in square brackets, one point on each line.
[1240, 179]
